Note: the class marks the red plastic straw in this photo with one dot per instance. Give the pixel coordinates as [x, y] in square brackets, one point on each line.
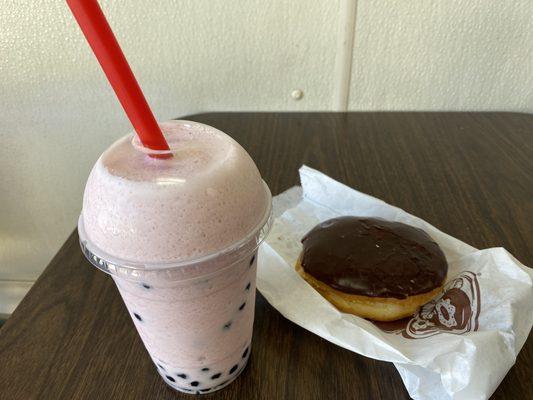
[107, 50]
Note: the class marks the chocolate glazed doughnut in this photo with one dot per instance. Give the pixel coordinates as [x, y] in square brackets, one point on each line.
[371, 267]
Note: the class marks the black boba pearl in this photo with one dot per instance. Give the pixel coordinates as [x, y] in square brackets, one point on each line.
[137, 316]
[248, 286]
[227, 325]
[233, 369]
[242, 306]
[205, 390]
[216, 376]
[205, 369]
[252, 260]
[160, 366]
[245, 353]
[184, 389]
[171, 379]
[182, 376]
[146, 286]
[195, 383]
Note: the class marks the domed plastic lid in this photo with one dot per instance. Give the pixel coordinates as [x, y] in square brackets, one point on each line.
[145, 212]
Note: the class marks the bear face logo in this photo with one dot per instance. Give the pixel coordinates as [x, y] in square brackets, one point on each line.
[456, 310]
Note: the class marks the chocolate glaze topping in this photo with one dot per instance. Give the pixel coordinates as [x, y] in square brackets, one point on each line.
[373, 257]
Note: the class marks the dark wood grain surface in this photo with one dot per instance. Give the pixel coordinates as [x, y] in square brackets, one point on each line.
[469, 174]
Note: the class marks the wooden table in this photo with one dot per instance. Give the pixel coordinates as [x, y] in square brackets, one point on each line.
[469, 174]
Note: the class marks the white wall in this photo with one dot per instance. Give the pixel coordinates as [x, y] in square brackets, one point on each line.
[57, 112]
[442, 55]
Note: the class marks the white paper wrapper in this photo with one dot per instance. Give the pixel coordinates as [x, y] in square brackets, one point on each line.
[460, 346]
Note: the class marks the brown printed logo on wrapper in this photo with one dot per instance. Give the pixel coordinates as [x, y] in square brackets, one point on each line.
[455, 310]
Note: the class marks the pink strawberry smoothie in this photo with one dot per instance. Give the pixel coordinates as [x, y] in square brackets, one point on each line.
[179, 236]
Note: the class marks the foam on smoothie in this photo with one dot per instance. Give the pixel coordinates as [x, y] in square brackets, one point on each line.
[206, 197]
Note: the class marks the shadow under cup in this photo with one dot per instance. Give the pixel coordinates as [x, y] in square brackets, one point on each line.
[195, 318]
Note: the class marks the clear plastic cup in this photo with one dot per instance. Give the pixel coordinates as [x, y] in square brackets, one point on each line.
[195, 317]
